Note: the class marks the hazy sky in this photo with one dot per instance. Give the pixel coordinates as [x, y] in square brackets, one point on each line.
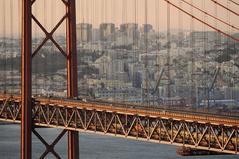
[118, 11]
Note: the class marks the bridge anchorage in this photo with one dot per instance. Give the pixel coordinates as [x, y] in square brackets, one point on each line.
[26, 88]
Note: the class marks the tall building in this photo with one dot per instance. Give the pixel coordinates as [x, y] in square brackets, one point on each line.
[84, 32]
[130, 30]
[146, 28]
[115, 67]
[205, 36]
[107, 31]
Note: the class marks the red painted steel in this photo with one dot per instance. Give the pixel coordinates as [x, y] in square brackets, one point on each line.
[207, 13]
[26, 84]
[223, 6]
[199, 130]
[72, 86]
[72, 77]
[70, 54]
[201, 21]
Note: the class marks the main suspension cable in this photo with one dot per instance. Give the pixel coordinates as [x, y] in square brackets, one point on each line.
[223, 6]
[234, 2]
[212, 27]
[214, 17]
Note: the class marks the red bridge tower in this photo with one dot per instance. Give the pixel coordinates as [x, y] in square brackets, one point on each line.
[26, 86]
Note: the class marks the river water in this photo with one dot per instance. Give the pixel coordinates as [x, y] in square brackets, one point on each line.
[92, 146]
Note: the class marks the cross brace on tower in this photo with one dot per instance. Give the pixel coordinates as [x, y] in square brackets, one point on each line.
[26, 72]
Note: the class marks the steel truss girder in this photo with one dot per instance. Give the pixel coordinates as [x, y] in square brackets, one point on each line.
[207, 136]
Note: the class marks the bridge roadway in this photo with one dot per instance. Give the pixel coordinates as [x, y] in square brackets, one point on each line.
[198, 130]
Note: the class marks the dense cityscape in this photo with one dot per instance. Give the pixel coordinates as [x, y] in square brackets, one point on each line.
[162, 73]
[134, 63]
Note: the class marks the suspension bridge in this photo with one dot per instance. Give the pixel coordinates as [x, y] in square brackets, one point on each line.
[31, 97]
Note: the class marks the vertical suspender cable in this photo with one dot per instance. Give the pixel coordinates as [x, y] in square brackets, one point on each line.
[89, 29]
[179, 40]
[135, 42]
[36, 71]
[83, 10]
[226, 49]
[19, 42]
[86, 22]
[124, 40]
[114, 38]
[194, 91]
[115, 13]
[233, 47]
[101, 43]
[146, 94]
[204, 52]
[229, 44]
[106, 40]
[94, 17]
[126, 91]
[4, 47]
[206, 40]
[216, 43]
[79, 16]
[45, 54]
[146, 55]
[180, 21]
[168, 50]
[53, 84]
[234, 50]
[215, 23]
[87, 11]
[110, 20]
[105, 73]
[143, 76]
[89, 8]
[156, 94]
[34, 43]
[12, 49]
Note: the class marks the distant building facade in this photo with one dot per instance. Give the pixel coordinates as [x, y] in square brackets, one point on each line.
[107, 31]
[130, 30]
[146, 28]
[84, 32]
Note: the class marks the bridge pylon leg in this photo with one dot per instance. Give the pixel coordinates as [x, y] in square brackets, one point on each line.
[73, 145]
[72, 77]
[26, 87]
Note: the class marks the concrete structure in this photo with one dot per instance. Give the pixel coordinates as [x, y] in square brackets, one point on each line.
[146, 28]
[84, 32]
[130, 30]
[107, 31]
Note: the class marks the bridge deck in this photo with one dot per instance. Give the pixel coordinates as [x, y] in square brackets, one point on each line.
[193, 129]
